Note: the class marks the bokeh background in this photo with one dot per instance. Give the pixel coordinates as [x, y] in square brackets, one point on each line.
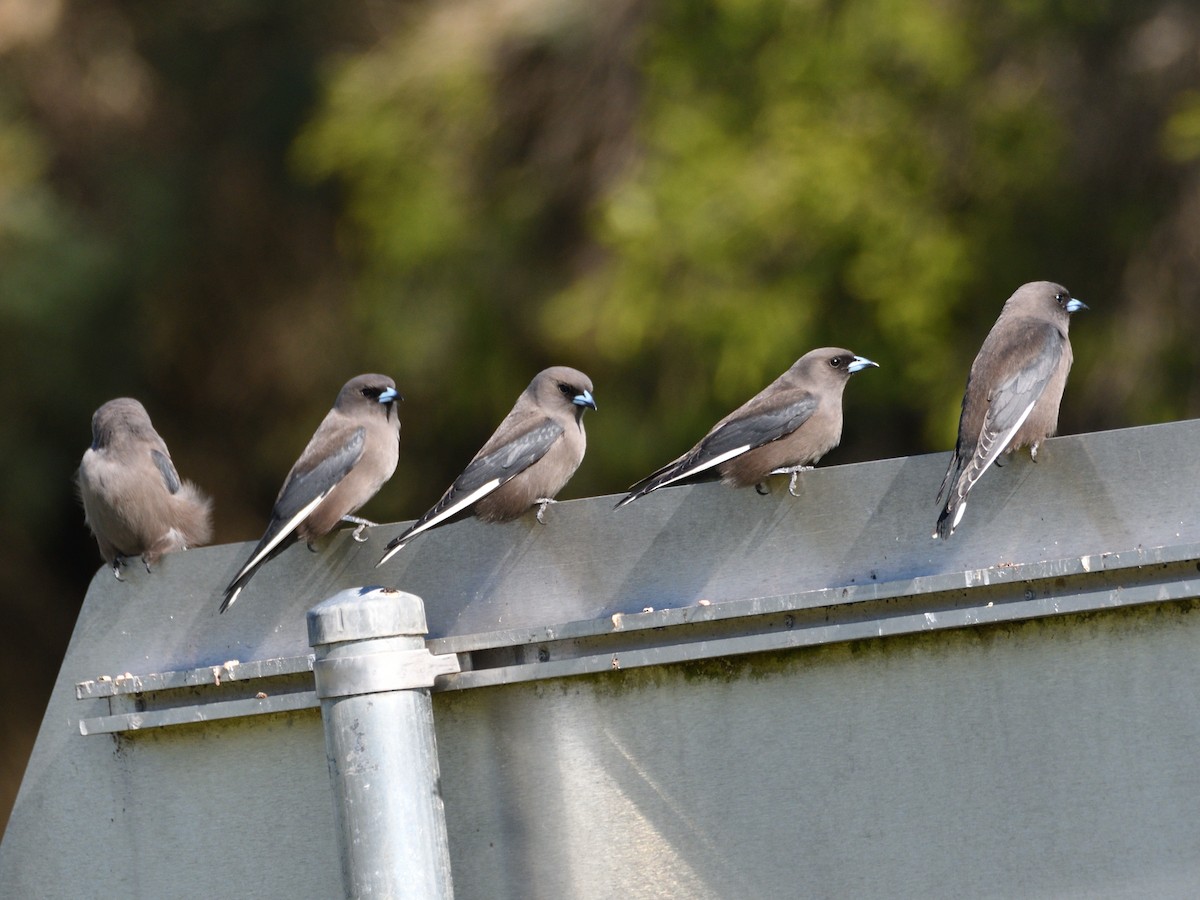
[227, 209]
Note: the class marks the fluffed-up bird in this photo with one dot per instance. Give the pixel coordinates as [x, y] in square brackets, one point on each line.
[352, 453]
[525, 463]
[1013, 390]
[133, 499]
[783, 430]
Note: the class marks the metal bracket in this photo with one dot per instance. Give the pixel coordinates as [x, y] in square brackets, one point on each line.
[376, 673]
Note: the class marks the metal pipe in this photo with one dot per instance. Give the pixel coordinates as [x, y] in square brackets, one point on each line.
[373, 675]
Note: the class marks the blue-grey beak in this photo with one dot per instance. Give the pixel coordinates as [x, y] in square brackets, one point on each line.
[1074, 305]
[584, 399]
[859, 363]
[388, 395]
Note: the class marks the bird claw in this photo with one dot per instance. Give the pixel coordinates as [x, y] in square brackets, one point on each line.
[542, 503]
[362, 524]
[762, 489]
[116, 569]
[794, 471]
[1033, 449]
[146, 564]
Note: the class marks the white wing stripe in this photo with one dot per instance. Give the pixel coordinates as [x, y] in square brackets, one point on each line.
[287, 529]
[708, 464]
[993, 452]
[446, 513]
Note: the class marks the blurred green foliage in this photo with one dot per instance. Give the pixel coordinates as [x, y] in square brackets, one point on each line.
[228, 209]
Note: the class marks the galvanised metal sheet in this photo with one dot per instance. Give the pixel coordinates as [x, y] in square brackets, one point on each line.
[1029, 756]
[1051, 758]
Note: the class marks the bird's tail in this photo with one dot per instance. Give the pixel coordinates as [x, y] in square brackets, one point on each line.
[194, 515]
[951, 476]
[231, 593]
[956, 499]
[395, 545]
[669, 474]
[631, 496]
[256, 561]
[949, 517]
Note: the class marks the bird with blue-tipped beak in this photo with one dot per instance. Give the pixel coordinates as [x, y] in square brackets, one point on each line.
[352, 453]
[1013, 391]
[524, 464]
[782, 430]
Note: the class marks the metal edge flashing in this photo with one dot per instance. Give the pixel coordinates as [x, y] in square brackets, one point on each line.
[1004, 593]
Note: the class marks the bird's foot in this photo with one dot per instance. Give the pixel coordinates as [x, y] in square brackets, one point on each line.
[116, 568]
[794, 471]
[146, 563]
[362, 524]
[762, 489]
[1033, 449]
[312, 548]
[542, 503]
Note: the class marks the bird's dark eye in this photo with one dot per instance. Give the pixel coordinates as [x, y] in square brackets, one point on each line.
[371, 392]
[1061, 298]
[566, 390]
[836, 362]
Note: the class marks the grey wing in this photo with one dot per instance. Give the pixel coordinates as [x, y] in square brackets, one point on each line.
[313, 481]
[757, 425]
[758, 428]
[485, 473]
[1033, 362]
[510, 459]
[307, 485]
[167, 469]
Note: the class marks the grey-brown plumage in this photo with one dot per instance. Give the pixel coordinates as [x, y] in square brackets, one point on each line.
[1013, 391]
[133, 499]
[352, 453]
[525, 463]
[785, 428]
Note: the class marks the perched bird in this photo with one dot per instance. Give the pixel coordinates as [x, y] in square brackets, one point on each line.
[790, 424]
[1013, 391]
[352, 453]
[530, 457]
[133, 499]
